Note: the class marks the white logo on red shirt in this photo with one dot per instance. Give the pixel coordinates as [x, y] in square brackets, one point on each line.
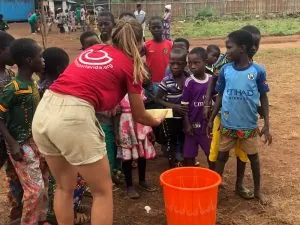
[102, 58]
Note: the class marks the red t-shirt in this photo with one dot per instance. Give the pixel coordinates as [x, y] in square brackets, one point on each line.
[157, 58]
[100, 75]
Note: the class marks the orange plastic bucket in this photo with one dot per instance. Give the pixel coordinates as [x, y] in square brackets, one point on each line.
[190, 195]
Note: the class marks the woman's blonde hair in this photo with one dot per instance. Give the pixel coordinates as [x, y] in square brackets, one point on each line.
[126, 36]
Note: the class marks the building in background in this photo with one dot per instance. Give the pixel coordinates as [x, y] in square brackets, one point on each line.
[16, 10]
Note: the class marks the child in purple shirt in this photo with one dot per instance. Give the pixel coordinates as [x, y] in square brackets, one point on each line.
[194, 92]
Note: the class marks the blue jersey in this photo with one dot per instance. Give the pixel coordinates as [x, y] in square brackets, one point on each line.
[241, 89]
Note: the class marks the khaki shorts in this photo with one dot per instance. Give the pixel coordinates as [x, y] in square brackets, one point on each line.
[248, 145]
[66, 126]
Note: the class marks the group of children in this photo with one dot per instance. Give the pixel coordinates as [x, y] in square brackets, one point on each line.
[194, 84]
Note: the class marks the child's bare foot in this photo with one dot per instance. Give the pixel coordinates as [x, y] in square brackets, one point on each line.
[147, 187]
[262, 199]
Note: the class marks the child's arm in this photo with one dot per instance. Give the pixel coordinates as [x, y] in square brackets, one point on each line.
[15, 149]
[220, 87]
[116, 122]
[263, 89]
[185, 101]
[181, 109]
[207, 102]
[7, 101]
[265, 111]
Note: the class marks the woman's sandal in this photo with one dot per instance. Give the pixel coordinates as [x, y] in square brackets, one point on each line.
[146, 187]
[81, 218]
[244, 193]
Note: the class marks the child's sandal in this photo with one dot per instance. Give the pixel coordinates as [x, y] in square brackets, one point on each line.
[81, 218]
[244, 193]
[146, 187]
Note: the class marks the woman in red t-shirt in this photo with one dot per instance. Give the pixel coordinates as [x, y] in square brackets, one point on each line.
[66, 130]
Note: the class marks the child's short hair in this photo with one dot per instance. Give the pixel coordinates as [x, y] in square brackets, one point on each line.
[180, 52]
[54, 57]
[23, 48]
[108, 14]
[183, 40]
[242, 37]
[5, 39]
[200, 52]
[126, 14]
[211, 48]
[252, 29]
[156, 18]
[85, 35]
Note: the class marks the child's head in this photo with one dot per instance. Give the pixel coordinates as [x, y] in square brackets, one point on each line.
[1, 17]
[213, 53]
[256, 36]
[156, 27]
[106, 23]
[56, 61]
[197, 60]
[26, 53]
[128, 37]
[5, 42]
[238, 43]
[177, 61]
[181, 43]
[127, 15]
[139, 7]
[88, 39]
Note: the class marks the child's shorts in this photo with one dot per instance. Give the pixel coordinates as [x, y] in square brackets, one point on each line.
[249, 145]
[66, 126]
[191, 145]
[215, 144]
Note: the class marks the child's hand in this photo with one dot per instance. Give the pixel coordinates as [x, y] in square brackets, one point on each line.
[209, 129]
[181, 109]
[188, 129]
[16, 151]
[151, 137]
[268, 137]
[118, 140]
[206, 112]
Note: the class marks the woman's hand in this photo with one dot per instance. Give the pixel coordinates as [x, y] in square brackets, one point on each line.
[140, 115]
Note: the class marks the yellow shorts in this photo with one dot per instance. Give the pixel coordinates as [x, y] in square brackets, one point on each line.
[215, 144]
[66, 126]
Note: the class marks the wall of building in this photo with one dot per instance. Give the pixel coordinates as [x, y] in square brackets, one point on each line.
[16, 10]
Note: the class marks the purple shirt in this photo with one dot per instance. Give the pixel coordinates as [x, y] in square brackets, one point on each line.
[194, 93]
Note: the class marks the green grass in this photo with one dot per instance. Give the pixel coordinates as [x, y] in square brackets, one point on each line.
[205, 29]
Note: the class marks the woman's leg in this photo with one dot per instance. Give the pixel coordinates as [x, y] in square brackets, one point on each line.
[65, 176]
[97, 177]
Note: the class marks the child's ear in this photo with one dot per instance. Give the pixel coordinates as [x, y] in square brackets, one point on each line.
[29, 60]
[243, 48]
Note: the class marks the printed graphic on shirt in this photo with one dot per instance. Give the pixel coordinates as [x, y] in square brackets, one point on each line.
[94, 59]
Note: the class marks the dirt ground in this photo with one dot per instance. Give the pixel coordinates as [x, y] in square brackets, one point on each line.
[280, 162]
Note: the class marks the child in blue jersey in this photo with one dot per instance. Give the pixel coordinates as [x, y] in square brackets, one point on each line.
[241, 157]
[241, 85]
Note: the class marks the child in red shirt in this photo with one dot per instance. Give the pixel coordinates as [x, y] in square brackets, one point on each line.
[157, 51]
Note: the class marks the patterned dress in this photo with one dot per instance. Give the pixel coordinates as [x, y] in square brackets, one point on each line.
[134, 137]
[167, 26]
[15, 190]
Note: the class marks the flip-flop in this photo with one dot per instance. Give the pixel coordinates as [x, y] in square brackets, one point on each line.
[132, 193]
[244, 193]
[147, 187]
